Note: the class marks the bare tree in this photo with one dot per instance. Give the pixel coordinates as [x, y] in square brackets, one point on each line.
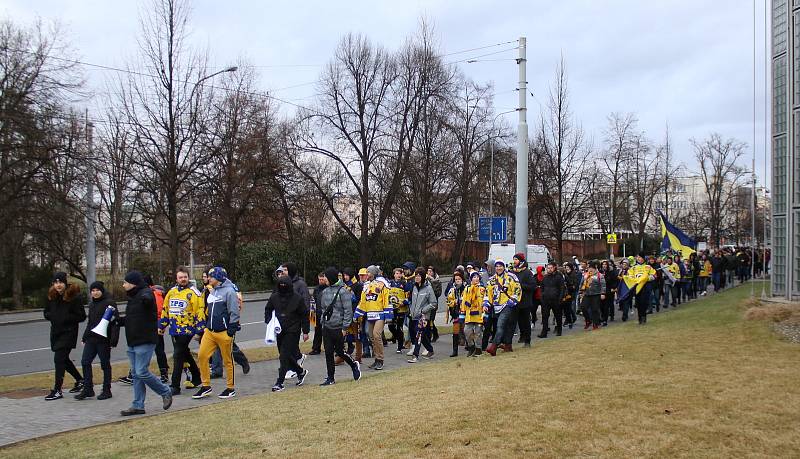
[242, 142]
[365, 127]
[645, 183]
[34, 88]
[563, 178]
[622, 139]
[165, 107]
[721, 176]
[116, 188]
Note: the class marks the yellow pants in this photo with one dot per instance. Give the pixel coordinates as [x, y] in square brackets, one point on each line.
[210, 342]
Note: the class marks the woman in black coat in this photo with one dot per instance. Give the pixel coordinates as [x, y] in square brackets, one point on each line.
[64, 311]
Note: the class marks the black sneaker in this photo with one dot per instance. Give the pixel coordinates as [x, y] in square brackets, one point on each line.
[78, 387]
[85, 394]
[356, 370]
[379, 365]
[227, 393]
[315, 352]
[126, 380]
[203, 392]
[175, 390]
[301, 378]
[277, 388]
[246, 368]
[131, 412]
[54, 395]
[105, 395]
[328, 382]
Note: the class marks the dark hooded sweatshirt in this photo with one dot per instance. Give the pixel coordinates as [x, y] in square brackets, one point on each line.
[289, 308]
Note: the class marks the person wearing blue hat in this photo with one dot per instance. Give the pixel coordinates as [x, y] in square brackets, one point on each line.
[222, 323]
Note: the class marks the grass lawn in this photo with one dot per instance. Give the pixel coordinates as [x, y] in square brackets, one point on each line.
[699, 381]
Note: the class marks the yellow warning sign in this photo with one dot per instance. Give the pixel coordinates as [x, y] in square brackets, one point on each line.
[611, 238]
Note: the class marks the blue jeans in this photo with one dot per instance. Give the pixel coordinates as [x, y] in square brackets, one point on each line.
[505, 329]
[139, 358]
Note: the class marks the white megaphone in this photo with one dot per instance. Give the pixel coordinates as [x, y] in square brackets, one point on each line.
[102, 328]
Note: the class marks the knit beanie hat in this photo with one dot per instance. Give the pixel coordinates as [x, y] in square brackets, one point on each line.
[218, 273]
[97, 285]
[60, 276]
[134, 277]
[520, 256]
[332, 274]
[373, 270]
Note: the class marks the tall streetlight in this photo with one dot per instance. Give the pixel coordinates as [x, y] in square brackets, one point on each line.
[232, 68]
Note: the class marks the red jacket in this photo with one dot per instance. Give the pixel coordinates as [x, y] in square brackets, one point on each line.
[537, 295]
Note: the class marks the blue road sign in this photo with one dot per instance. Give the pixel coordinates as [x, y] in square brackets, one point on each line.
[492, 229]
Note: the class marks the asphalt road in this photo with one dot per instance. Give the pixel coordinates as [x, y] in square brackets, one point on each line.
[25, 348]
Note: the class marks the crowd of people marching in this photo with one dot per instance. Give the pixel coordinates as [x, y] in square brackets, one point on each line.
[350, 313]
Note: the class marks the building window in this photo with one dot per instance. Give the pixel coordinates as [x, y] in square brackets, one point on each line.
[779, 175]
[779, 257]
[780, 18]
[779, 95]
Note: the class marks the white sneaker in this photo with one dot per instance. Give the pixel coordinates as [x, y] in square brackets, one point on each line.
[411, 352]
[424, 353]
[290, 374]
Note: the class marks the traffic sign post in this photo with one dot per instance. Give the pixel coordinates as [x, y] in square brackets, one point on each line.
[611, 238]
[492, 229]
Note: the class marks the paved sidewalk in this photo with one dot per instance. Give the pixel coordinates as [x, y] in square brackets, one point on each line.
[34, 417]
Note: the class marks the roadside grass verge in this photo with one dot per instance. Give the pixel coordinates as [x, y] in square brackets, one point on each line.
[698, 381]
[29, 384]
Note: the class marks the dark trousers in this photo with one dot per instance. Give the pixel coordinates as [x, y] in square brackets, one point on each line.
[396, 328]
[489, 330]
[626, 307]
[569, 315]
[333, 340]
[676, 294]
[96, 348]
[318, 336]
[288, 349]
[424, 340]
[607, 308]
[524, 323]
[642, 300]
[238, 357]
[64, 364]
[181, 354]
[161, 356]
[547, 307]
[591, 309]
[716, 279]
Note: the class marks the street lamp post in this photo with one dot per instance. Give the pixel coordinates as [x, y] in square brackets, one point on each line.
[191, 95]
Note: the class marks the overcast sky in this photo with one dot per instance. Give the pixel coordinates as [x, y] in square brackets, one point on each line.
[685, 62]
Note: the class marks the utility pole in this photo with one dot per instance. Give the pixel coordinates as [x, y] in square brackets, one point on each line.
[521, 226]
[89, 199]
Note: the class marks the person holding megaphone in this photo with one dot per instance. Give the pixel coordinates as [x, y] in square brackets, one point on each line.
[102, 326]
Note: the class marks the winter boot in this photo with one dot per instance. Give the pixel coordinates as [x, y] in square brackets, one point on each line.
[595, 327]
[492, 349]
[508, 348]
[470, 351]
[359, 351]
[588, 324]
[543, 334]
[455, 346]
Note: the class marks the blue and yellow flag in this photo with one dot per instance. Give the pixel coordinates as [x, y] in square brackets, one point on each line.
[675, 239]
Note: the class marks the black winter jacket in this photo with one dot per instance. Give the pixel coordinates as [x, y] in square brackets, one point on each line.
[291, 311]
[64, 312]
[141, 325]
[527, 280]
[96, 310]
[553, 288]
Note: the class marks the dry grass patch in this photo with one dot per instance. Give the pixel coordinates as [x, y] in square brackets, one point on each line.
[696, 382]
[774, 312]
